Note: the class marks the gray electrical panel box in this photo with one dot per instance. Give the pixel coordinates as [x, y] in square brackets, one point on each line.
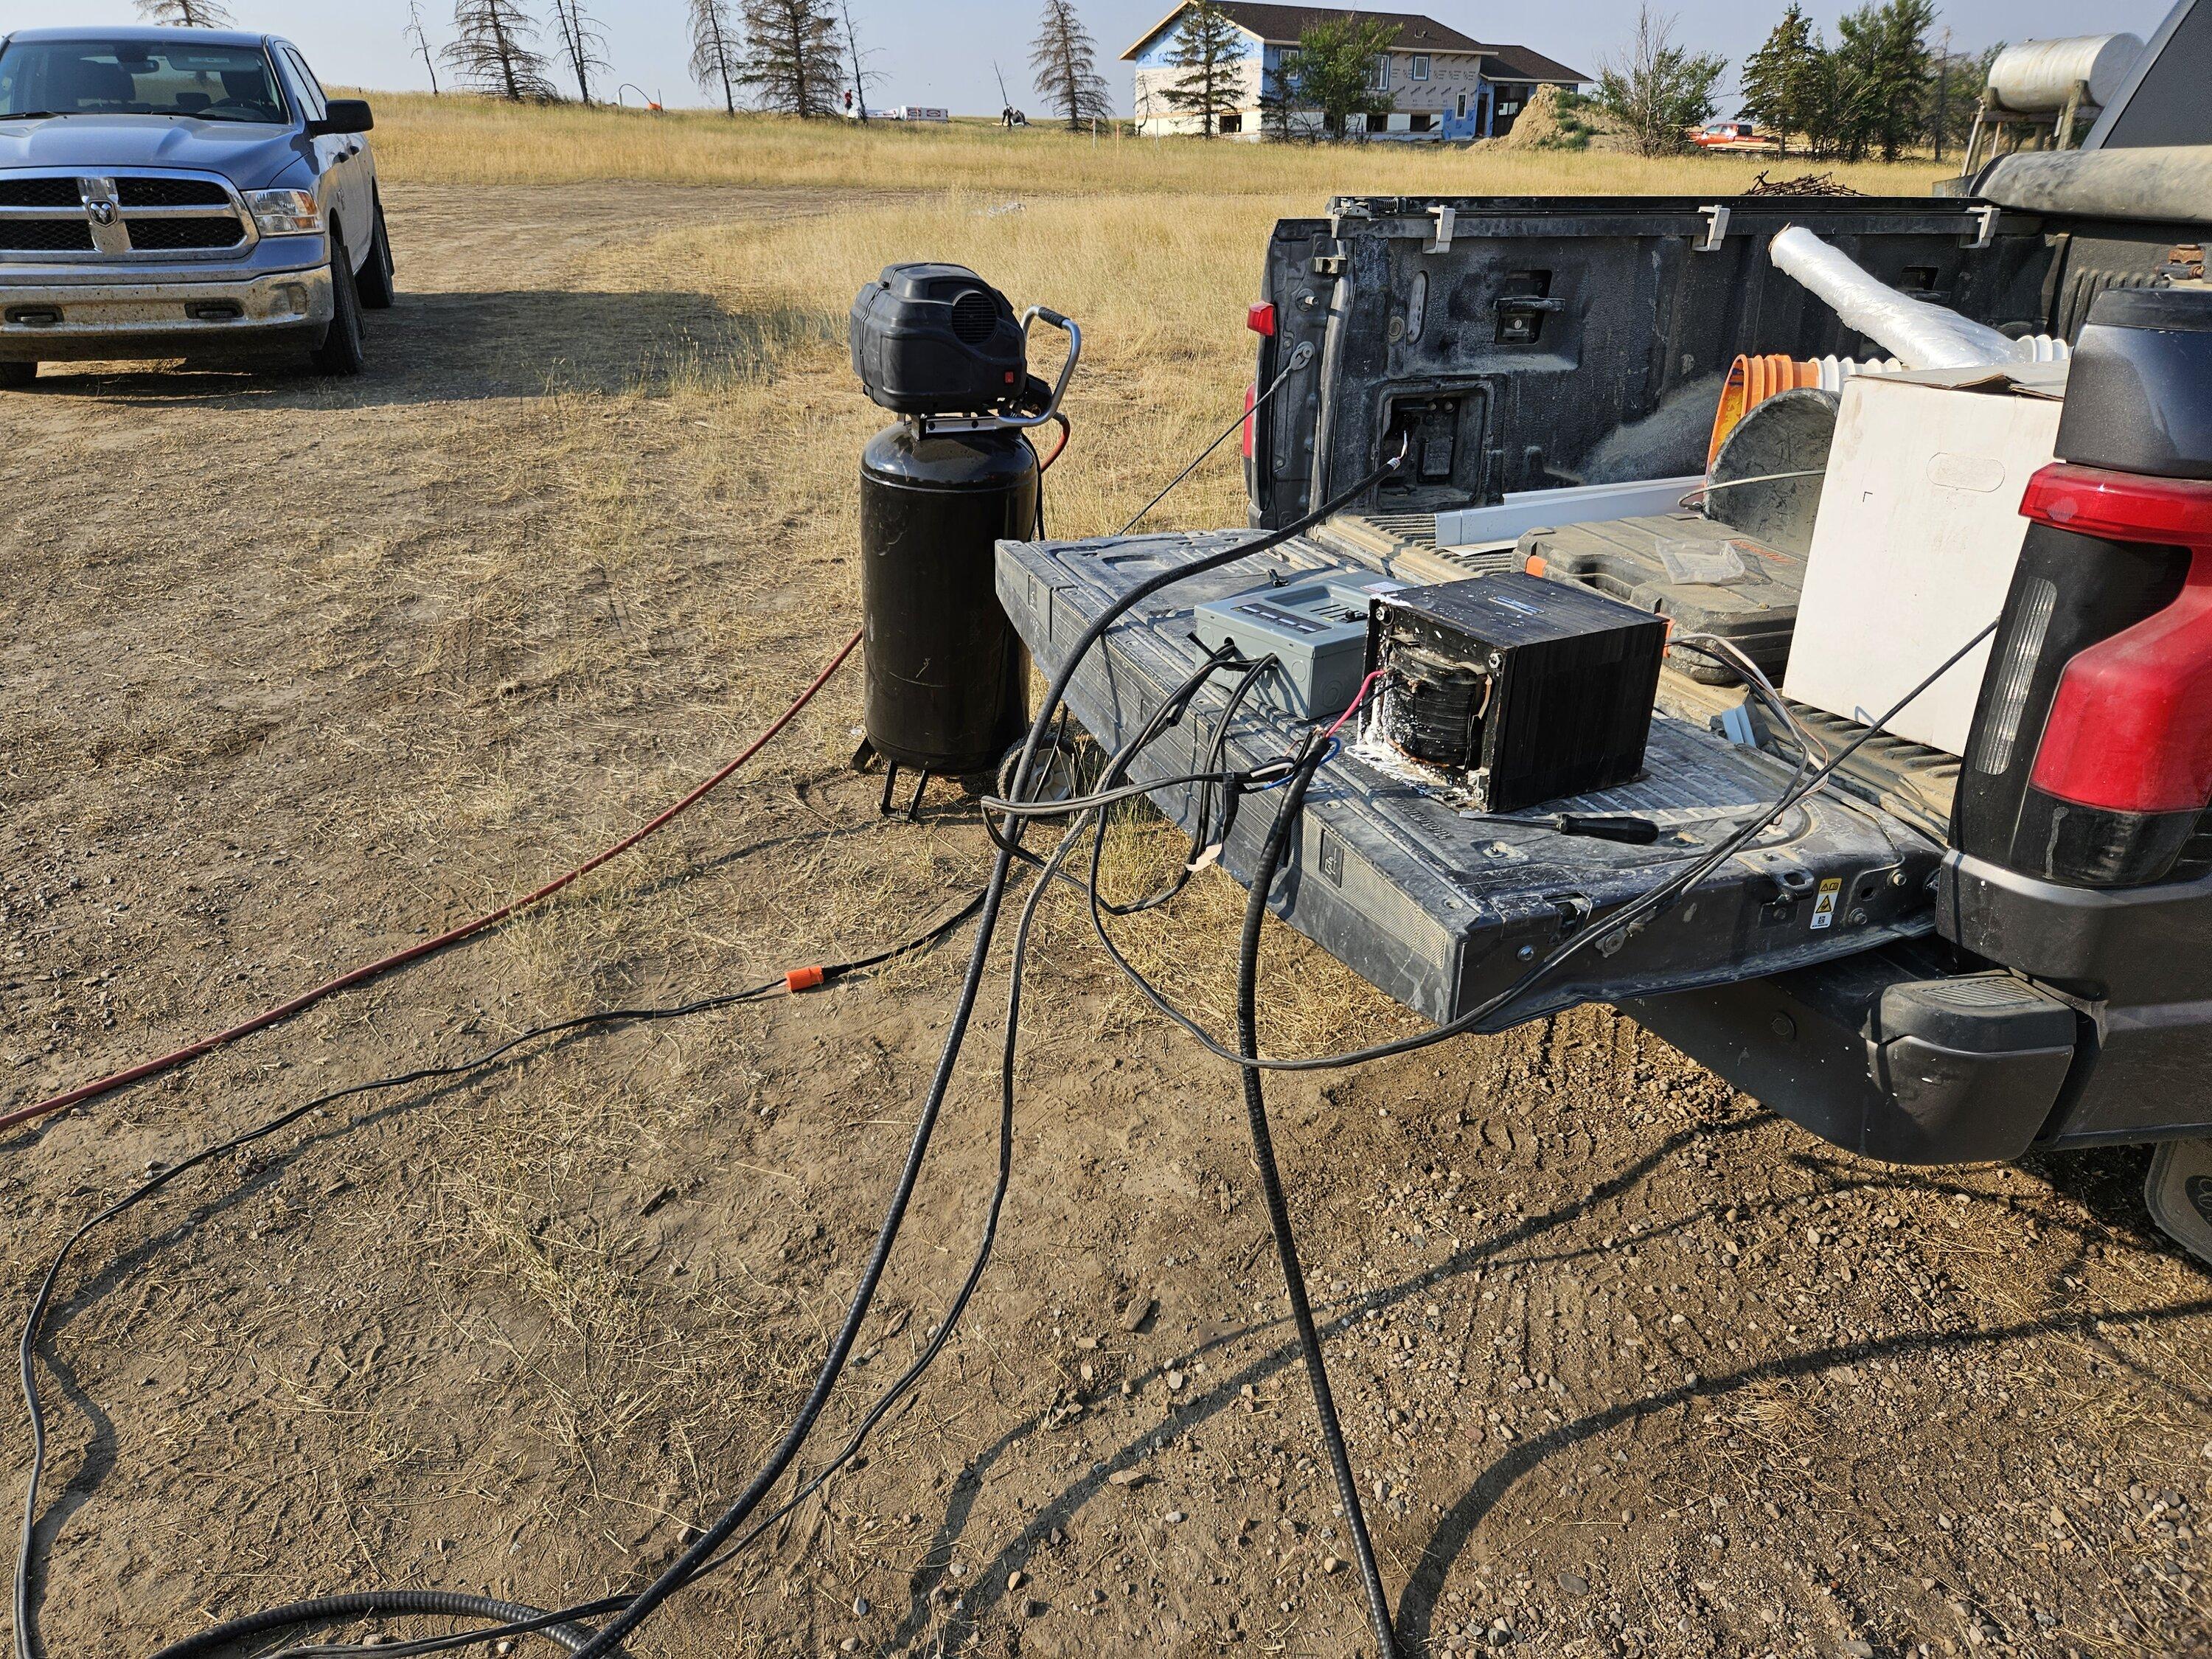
[1318, 631]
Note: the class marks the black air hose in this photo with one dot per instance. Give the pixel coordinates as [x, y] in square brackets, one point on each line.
[371, 1604]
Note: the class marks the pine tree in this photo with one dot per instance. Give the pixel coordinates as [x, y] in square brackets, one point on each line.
[495, 50]
[863, 76]
[581, 43]
[1210, 52]
[1882, 64]
[1659, 90]
[1783, 81]
[717, 49]
[792, 59]
[414, 32]
[184, 14]
[1065, 59]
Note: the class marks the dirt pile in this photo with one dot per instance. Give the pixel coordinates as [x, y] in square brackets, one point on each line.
[1557, 119]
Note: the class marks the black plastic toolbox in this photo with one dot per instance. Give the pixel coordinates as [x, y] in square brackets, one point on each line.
[1442, 911]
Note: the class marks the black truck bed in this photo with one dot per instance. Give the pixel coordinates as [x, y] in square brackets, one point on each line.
[1441, 911]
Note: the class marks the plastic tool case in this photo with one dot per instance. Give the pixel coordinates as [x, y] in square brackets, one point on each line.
[1705, 576]
[1439, 910]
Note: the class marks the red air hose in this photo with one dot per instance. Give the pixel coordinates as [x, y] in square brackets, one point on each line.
[306, 1000]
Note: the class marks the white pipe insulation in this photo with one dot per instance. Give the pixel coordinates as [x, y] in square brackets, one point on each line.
[1920, 334]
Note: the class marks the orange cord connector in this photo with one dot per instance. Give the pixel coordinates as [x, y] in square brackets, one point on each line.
[803, 979]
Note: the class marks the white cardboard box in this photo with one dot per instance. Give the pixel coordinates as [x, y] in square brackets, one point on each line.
[1914, 549]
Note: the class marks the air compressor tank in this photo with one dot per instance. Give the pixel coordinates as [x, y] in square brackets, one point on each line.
[947, 677]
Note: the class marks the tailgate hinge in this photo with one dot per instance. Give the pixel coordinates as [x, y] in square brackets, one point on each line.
[1716, 224]
[1986, 228]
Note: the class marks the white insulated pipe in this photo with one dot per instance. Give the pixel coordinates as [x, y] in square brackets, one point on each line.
[1920, 334]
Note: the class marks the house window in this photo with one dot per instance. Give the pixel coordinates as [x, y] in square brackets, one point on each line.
[1463, 107]
[1422, 121]
[1420, 71]
[1232, 123]
[1378, 73]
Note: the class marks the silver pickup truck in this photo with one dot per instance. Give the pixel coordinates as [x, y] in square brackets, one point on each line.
[182, 193]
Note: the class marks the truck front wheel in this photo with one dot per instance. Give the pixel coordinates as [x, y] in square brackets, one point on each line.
[342, 352]
[17, 377]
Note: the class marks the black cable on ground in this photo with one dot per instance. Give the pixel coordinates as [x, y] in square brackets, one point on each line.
[833, 1366]
[370, 1604]
[945, 1327]
[41, 1304]
[1279, 1213]
[630, 1612]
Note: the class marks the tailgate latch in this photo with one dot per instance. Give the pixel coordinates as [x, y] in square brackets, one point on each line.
[1446, 218]
[1716, 224]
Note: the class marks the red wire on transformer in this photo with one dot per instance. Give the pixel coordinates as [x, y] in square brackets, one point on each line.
[361, 975]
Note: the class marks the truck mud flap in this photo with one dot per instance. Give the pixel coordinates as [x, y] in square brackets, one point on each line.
[1442, 912]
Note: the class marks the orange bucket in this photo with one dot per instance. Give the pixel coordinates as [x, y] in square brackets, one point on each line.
[1751, 381]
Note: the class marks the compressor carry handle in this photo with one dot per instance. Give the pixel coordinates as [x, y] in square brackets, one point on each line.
[1008, 422]
[1066, 368]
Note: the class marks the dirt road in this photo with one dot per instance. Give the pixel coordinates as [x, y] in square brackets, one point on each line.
[296, 671]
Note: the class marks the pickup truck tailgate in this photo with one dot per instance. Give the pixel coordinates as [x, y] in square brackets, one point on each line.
[1441, 911]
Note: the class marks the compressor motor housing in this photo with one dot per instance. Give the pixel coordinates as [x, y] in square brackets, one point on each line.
[937, 339]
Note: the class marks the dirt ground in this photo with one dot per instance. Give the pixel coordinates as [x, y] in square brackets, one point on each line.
[295, 672]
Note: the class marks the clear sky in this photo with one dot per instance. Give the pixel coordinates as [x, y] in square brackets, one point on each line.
[941, 52]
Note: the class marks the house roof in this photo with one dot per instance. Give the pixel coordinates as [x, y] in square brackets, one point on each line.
[1283, 25]
[1519, 63]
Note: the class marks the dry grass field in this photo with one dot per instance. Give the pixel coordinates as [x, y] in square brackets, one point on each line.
[470, 141]
[295, 671]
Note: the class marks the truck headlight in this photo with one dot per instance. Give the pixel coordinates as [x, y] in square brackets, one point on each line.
[286, 212]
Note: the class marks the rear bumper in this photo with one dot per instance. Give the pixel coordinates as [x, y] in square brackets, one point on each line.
[161, 315]
[2137, 963]
[1894, 1054]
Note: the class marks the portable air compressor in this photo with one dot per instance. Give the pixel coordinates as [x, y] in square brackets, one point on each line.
[947, 678]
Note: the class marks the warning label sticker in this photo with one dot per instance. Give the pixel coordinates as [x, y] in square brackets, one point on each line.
[1824, 909]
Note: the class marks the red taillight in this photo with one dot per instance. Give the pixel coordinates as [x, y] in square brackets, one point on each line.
[1251, 403]
[1259, 317]
[2121, 506]
[2130, 728]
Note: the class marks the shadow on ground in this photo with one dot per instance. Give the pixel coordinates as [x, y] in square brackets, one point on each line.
[461, 347]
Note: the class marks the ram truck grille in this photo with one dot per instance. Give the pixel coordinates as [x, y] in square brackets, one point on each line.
[118, 217]
[178, 236]
[45, 236]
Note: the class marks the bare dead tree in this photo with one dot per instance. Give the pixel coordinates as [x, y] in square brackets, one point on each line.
[717, 49]
[793, 58]
[495, 52]
[581, 43]
[863, 76]
[1065, 59]
[184, 14]
[414, 32]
